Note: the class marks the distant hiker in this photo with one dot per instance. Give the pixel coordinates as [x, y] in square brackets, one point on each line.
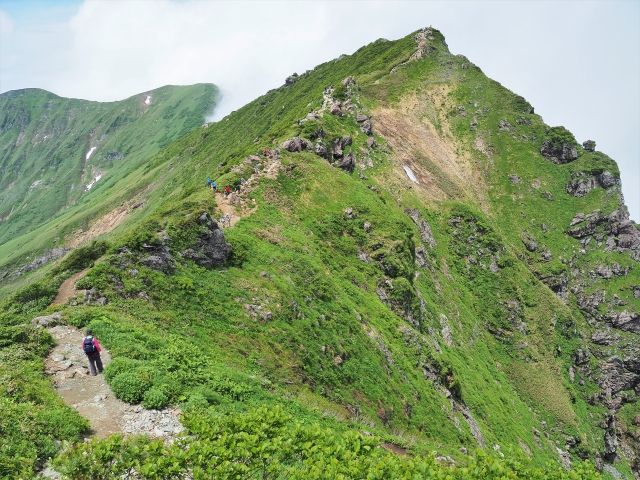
[236, 185]
[208, 182]
[214, 186]
[227, 190]
[91, 347]
[225, 220]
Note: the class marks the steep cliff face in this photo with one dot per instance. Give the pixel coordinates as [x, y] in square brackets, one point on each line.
[414, 254]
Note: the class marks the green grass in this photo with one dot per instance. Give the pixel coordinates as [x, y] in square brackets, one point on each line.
[331, 352]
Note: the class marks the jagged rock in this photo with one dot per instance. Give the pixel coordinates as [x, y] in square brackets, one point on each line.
[603, 338]
[291, 79]
[94, 297]
[636, 291]
[360, 118]
[514, 179]
[349, 81]
[445, 330]
[558, 283]
[582, 183]
[296, 144]
[211, 250]
[371, 142]
[45, 258]
[529, 243]
[581, 357]
[366, 127]
[608, 179]
[367, 227]
[348, 163]
[420, 256]
[423, 226]
[162, 261]
[258, 311]
[560, 153]
[321, 150]
[546, 255]
[616, 376]
[47, 321]
[336, 109]
[504, 126]
[615, 230]
[565, 458]
[610, 271]
[338, 145]
[625, 320]
[589, 145]
[590, 303]
[610, 438]
[349, 213]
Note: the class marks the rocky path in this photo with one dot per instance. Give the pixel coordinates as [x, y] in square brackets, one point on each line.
[92, 397]
[226, 206]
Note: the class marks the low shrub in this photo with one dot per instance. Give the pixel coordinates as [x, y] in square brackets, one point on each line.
[155, 398]
[130, 387]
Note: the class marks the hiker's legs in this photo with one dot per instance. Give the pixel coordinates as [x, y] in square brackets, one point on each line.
[92, 365]
[99, 363]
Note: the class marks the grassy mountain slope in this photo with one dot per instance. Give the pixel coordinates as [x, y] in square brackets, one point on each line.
[57, 153]
[456, 312]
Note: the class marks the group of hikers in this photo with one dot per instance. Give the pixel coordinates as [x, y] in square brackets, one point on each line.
[237, 184]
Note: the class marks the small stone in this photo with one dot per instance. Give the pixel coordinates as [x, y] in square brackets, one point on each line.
[514, 179]
[366, 226]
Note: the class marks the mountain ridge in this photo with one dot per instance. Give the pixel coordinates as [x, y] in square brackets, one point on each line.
[421, 262]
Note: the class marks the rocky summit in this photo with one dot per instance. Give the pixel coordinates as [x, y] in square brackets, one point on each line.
[403, 273]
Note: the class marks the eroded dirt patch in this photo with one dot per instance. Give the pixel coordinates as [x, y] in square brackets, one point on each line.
[441, 169]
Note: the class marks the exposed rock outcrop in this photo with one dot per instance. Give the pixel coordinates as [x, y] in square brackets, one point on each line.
[614, 231]
[582, 183]
[211, 249]
[297, 144]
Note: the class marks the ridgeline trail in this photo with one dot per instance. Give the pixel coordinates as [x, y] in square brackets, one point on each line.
[92, 397]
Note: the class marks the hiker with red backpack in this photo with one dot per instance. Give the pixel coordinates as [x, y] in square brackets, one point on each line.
[91, 347]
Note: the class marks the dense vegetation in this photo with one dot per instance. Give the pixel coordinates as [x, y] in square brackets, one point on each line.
[357, 309]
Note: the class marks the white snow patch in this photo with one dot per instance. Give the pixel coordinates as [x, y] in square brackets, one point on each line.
[89, 153]
[147, 101]
[36, 184]
[93, 182]
[410, 173]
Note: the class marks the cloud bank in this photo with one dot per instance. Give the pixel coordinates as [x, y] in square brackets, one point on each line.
[578, 63]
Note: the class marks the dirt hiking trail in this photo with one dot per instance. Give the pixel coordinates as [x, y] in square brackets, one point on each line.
[92, 397]
[68, 288]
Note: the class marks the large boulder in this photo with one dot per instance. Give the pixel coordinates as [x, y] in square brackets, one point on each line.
[589, 145]
[348, 163]
[211, 250]
[297, 144]
[560, 146]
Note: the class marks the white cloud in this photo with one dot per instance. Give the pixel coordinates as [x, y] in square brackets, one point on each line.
[576, 62]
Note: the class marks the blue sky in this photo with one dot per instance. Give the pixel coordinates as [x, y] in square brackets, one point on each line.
[578, 63]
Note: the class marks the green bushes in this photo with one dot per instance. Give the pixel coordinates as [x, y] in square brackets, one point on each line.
[130, 386]
[81, 258]
[155, 398]
[267, 443]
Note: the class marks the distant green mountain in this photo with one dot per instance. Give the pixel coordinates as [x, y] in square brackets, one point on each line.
[55, 151]
[420, 279]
